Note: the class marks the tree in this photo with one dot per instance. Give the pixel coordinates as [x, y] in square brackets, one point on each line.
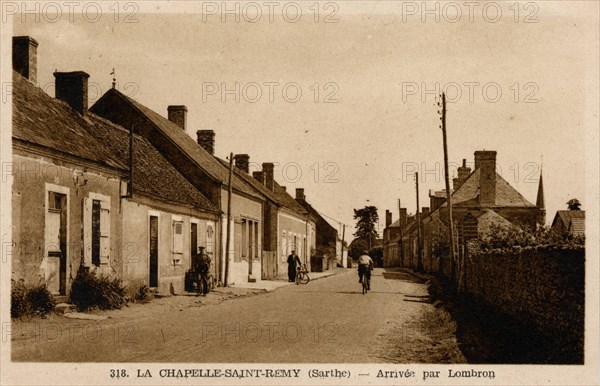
[356, 248]
[572, 204]
[366, 218]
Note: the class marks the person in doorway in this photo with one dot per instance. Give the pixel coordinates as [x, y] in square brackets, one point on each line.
[293, 262]
[202, 268]
[365, 265]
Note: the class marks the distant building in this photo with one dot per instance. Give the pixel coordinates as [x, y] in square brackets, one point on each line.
[479, 198]
[569, 223]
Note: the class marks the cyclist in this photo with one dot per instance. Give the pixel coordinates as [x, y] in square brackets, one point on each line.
[365, 266]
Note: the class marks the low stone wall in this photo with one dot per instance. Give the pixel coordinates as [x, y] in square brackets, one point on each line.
[541, 287]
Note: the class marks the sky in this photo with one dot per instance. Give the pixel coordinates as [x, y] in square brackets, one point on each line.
[347, 108]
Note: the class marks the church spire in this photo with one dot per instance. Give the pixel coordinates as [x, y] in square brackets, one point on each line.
[540, 194]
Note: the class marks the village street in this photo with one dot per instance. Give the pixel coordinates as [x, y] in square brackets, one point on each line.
[327, 320]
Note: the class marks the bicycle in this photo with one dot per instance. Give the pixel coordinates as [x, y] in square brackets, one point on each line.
[366, 284]
[302, 275]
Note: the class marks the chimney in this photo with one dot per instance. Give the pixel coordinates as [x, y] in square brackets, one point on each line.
[206, 139]
[388, 218]
[269, 171]
[424, 211]
[300, 194]
[178, 115]
[24, 57]
[402, 217]
[72, 87]
[259, 176]
[242, 162]
[486, 161]
[463, 173]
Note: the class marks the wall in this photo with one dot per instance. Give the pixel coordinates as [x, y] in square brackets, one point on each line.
[136, 265]
[29, 201]
[542, 288]
[241, 206]
[292, 225]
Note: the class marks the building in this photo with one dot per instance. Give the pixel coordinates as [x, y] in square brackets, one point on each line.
[288, 226]
[569, 223]
[328, 252]
[480, 198]
[100, 209]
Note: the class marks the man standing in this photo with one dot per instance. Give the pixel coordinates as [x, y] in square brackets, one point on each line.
[202, 268]
[293, 261]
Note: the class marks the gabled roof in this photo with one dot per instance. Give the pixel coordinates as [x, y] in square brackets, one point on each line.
[203, 159]
[566, 216]
[506, 196]
[488, 219]
[153, 175]
[51, 123]
[288, 201]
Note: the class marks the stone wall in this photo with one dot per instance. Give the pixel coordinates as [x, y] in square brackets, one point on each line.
[541, 287]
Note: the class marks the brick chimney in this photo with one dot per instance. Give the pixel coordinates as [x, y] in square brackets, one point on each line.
[463, 173]
[388, 218]
[178, 115]
[403, 217]
[24, 57]
[269, 171]
[72, 87]
[300, 194]
[486, 162]
[206, 139]
[259, 176]
[242, 162]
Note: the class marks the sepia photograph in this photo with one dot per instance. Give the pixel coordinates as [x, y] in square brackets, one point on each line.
[300, 192]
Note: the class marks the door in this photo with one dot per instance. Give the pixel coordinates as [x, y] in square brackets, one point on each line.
[153, 231]
[193, 244]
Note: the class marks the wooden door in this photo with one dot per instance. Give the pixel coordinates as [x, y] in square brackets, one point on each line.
[153, 231]
[193, 244]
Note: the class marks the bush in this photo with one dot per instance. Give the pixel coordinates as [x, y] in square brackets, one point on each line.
[26, 300]
[144, 294]
[90, 291]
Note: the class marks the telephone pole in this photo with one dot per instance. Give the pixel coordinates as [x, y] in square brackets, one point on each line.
[343, 236]
[400, 246]
[448, 194]
[419, 235]
[228, 237]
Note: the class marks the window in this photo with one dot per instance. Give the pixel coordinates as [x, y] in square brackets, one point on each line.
[177, 242]
[96, 230]
[244, 238]
[256, 242]
[54, 201]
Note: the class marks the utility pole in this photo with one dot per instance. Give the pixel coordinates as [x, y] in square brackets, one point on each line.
[448, 194]
[343, 236]
[228, 237]
[419, 235]
[400, 245]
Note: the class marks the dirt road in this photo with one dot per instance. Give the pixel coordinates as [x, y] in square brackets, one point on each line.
[325, 321]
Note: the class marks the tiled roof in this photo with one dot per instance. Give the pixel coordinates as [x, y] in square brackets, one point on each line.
[313, 212]
[206, 161]
[45, 121]
[577, 226]
[568, 216]
[488, 219]
[288, 201]
[506, 196]
[153, 175]
[248, 179]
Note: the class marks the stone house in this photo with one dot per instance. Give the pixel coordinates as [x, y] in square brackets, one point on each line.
[287, 225]
[328, 245]
[479, 198]
[74, 168]
[196, 161]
